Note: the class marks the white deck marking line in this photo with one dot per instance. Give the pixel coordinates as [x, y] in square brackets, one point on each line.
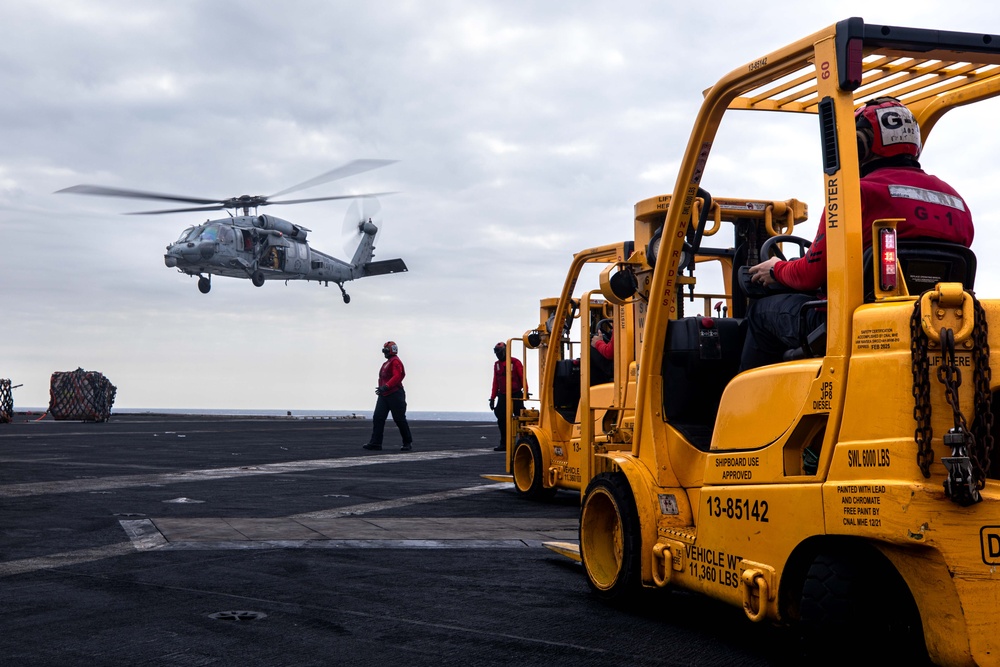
[50, 561]
[365, 508]
[128, 481]
[245, 545]
[144, 536]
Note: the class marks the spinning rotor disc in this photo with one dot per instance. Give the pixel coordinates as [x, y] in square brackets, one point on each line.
[361, 210]
[245, 202]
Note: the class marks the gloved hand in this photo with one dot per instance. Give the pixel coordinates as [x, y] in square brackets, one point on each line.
[493, 404]
[382, 389]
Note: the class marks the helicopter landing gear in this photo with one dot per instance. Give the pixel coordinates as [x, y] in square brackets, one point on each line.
[204, 284]
[257, 278]
[347, 297]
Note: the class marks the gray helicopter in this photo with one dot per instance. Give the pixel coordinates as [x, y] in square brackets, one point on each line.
[265, 247]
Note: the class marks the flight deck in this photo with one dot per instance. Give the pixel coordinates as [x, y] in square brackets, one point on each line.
[194, 540]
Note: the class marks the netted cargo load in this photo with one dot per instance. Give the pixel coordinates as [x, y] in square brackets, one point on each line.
[6, 402]
[81, 395]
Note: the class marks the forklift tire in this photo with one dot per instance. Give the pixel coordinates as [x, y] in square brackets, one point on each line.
[842, 593]
[529, 472]
[610, 541]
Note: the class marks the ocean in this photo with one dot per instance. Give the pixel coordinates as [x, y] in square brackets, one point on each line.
[412, 415]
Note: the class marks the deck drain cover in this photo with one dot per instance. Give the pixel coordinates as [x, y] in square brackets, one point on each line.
[238, 615]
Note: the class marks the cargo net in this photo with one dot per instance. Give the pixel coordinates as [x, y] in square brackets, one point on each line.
[81, 395]
[6, 402]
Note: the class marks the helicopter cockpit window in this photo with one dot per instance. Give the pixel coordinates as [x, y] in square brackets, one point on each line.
[185, 234]
[210, 233]
[226, 235]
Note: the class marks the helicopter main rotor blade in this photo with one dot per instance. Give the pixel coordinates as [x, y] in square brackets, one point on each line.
[343, 171]
[178, 210]
[303, 201]
[243, 201]
[133, 194]
[229, 204]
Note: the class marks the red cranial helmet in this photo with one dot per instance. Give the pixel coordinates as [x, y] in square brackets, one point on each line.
[389, 348]
[886, 128]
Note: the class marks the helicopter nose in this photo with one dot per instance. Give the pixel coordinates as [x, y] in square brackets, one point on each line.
[206, 250]
[170, 261]
[192, 252]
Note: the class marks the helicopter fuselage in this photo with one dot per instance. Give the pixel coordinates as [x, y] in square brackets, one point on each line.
[242, 246]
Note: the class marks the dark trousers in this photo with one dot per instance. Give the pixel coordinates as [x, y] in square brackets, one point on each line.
[394, 403]
[500, 411]
[774, 326]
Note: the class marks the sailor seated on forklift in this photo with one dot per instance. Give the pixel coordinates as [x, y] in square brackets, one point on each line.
[892, 186]
[602, 354]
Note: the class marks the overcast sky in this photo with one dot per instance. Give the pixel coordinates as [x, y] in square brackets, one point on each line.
[525, 132]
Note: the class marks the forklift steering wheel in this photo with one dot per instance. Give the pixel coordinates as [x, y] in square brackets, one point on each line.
[767, 250]
[604, 328]
[771, 249]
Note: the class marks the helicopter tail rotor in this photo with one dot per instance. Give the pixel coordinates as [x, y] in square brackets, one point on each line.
[363, 217]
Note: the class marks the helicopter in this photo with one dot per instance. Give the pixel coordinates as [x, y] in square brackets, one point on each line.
[264, 247]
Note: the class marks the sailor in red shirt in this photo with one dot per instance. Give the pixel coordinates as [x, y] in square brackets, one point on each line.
[391, 399]
[498, 397]
[892, 186]
[602, 354]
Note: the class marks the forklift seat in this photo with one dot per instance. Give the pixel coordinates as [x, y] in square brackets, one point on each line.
[700, 357]
[923, 263]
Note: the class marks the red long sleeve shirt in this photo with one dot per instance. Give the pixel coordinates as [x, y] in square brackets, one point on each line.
[932, 208]
[605, 348]
[391, 375]
[500, 377]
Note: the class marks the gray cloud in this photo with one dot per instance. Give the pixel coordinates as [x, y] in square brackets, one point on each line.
[525, 133]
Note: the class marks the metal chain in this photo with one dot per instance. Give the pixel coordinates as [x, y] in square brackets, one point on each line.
[921, 393]
[982, 424]
[963, 481]
[971, 450]
[950, 375]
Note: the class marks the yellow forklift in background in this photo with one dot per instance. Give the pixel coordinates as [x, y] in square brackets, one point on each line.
[585, 406]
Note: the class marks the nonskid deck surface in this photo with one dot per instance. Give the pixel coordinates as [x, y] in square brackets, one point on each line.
[170, 540]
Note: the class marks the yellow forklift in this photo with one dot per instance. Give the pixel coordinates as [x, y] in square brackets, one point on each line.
[585, 405]
[851, 490]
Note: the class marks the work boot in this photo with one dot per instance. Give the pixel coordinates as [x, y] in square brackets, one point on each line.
[371, 446]
[407, 447]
